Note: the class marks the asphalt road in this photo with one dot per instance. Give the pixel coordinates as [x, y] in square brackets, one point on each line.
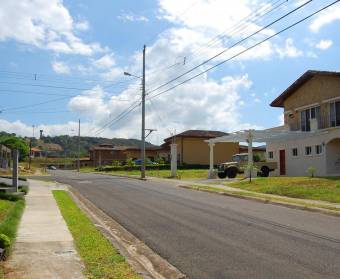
[210, 236]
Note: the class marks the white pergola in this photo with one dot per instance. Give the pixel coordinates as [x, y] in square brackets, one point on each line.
[251, 136]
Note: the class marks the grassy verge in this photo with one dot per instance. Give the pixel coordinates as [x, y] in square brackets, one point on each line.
[101, 259]
[11, 209]
[320, 188]
[261, 197]
[182, 174]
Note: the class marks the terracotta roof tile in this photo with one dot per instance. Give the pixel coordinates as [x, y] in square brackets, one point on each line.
[206, 134]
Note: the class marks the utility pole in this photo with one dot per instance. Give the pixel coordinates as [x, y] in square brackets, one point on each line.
[143, 119]
[78, 160]
[29, 157]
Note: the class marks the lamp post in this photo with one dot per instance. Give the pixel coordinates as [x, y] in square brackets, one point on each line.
[143, 115]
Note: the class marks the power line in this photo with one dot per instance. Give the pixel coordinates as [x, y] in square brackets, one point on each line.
[37, 112]
[262, 13]
[235, 44]
[247, 49]
[234, 29]
[4, 91]
[36, 76]
[123, 114]
[33, 105]
[47, 86]
[119, 117]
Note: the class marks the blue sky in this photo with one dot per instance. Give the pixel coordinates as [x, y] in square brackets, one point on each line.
[64, 60]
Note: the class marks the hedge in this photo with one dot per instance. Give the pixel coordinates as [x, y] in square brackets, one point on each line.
[150, 167]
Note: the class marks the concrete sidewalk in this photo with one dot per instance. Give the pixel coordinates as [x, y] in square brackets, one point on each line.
[44, 246]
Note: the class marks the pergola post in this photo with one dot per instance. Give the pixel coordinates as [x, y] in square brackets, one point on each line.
[211, 161]
[250, 155]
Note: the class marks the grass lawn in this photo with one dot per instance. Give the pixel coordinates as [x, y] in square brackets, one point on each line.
[319, 188]
[182, 174]
[101, 259]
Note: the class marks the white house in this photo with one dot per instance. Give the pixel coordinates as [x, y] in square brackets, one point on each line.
[311, 104]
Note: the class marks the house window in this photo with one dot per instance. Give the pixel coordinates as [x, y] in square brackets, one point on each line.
[270, 154]
[334, 114]
[308, 150]
[294, 152]
[318, 149]
[307, 115]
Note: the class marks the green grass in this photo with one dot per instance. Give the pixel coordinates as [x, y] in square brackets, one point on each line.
[101, 259]
[320, 188]
[182, 174]
[261, 197]
[11, 209]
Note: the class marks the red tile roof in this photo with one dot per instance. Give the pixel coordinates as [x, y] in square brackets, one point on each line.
[205, 134]
[278, 102]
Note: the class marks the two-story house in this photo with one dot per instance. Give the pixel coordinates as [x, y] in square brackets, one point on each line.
[311, 104]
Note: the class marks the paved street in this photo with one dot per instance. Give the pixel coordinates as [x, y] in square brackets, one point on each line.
[210, 236]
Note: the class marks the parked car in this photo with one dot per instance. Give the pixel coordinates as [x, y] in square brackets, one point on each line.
[52, 167]
[239, 164]
[138, 162]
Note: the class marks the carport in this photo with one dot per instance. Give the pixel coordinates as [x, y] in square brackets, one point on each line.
[251, 136]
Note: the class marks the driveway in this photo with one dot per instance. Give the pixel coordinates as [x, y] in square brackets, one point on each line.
[211, 236]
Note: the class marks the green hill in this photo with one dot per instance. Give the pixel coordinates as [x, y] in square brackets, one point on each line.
[69, 144]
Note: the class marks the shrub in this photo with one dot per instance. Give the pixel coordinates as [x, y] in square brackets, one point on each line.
[256, 158]
[311, 171]
[116, 163]
[130, 163]
[5, 241]
[23, 189]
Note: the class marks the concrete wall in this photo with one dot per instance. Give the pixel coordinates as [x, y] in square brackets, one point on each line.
[196, 151]
[314, 91]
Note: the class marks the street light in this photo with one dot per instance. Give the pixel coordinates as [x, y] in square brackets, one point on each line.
[131, 75]
[143, 114]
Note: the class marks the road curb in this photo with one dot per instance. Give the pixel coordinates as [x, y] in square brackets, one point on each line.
[143, 260]
[306, 207]
[121, 175]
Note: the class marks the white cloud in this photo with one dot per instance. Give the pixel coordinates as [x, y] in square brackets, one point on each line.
[91, 103]
[206, 15]
[82, 25]
[281, 119]
[325, 18]
[203, 103]
[60, 67]
[106, 61]
[23, 129]
[132, 17]
[289, 50]
[43, 24]
[324, 44]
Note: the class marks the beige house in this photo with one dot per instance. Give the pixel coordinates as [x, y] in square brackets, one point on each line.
[311, 104]
[106, 154]
[192, 148]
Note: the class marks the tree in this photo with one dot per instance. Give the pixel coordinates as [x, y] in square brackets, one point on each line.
[14, 142]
